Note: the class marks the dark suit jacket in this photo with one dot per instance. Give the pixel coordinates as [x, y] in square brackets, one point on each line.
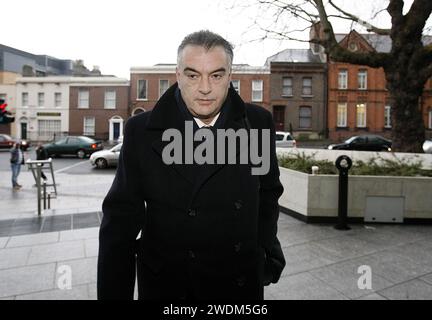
[208, 232]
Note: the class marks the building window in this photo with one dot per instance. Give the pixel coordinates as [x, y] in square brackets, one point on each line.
[236, 85]
[387, 117]
[343, 79]
[142, 90]
[110, 99]
[287, 88]
[307, 87]
[305, 117]
[41, 99]
[362, 79]
[342, 114]
[163, 86]
[24, 98]
[83, 98]
[430, 119]
[57, 99]
[89, 126]
[361, 115]
[257, 90]
[48, 129]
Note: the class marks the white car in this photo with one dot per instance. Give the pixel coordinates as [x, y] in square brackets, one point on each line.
[106, 158]
[285, 140]
[427, 146]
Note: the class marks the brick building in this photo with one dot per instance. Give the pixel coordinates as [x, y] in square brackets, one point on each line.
[98, 107]
[149, 83]
[298, 92]
[358, 101]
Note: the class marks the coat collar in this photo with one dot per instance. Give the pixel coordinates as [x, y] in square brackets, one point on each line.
[166, 114]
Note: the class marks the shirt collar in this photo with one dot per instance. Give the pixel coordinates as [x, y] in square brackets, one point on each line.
[202, 124]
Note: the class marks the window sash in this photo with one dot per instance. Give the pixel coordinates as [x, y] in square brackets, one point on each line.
[387, 117]
[83, 99]
[41, 99]
[57, 99]
[257, 90]
[342, 115]
[361, 115]
[142, 90]
[305, 117]
[47, 129]
[307, 87]
[430, 119]
[163, 86]
[362, 79]
[236, 85]
[343, 79]
[287, 89]
[110, 99]
[89, 126]
[24, 98]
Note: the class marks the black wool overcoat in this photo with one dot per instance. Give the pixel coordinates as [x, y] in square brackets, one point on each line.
[207, 231]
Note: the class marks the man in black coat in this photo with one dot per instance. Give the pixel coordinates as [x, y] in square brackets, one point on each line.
[208, 230]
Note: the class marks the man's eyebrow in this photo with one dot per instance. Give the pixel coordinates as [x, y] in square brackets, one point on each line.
[193, 70]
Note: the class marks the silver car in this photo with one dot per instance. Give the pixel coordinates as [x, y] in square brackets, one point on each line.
[285, 140]
[427, 146]
[106, 158]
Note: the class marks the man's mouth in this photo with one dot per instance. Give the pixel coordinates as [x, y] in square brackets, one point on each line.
[205, 101]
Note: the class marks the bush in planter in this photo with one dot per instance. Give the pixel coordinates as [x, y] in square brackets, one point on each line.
[373, 167]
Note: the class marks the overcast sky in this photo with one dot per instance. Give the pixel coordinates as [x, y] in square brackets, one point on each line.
[116, 35]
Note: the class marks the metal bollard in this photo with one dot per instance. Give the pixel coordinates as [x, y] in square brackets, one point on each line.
[49, 200]
[343, 164]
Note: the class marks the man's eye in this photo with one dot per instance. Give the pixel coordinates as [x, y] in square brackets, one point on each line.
[217, 76]
[192, 76]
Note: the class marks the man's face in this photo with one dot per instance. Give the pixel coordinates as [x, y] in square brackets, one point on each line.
[204, 79]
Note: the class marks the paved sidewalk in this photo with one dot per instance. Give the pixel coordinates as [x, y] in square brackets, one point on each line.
[322, 263]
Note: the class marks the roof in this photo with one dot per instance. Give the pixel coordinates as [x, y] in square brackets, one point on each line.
[381, 43]
[294, 55]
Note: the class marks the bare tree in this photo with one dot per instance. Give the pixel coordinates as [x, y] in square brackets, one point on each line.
[407, 66]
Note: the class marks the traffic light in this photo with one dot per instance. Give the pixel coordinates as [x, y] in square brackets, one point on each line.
[5, 116]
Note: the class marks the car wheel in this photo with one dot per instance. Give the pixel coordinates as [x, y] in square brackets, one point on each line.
[81, 154]
[101, 163]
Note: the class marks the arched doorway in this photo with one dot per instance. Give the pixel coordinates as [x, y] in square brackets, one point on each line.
[137, 110]
[115, 128]
[22, 129]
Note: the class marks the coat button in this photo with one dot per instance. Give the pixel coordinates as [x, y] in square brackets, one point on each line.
[191, 254]
[238, 204]
[241, 281]
[237, 247]
[192, 212]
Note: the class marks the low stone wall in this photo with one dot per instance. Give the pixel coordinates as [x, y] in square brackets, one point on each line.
[331, 155]
[317, 196]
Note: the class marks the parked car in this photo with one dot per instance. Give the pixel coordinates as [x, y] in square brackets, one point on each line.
[6, 141]
[285, 139]
[73, 145]
[106, 158]
[427, 146]
[363, 143]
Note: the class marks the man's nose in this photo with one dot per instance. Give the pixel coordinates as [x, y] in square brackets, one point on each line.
[205, 86]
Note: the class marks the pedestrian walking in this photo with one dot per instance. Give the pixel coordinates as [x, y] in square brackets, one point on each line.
[16, 160]
[41, 154]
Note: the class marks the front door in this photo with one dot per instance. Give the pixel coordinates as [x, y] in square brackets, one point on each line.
[23, 130]
[116, 130]
[279, 118]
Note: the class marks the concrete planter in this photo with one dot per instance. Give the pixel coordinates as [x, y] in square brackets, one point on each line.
[314, 198]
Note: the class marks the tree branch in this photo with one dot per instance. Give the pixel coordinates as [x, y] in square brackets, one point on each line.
[417, 16]
[369, 27]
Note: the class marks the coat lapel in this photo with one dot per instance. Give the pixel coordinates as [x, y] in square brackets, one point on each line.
[166, 115]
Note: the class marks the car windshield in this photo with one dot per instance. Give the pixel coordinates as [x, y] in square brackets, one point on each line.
[7, 137]
[350, 139]
[117, 147]
[87, 139]
[279, 137]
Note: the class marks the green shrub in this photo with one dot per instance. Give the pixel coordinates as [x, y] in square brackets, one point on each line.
[373, 167]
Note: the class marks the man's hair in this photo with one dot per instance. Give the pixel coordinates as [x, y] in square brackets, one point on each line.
[208, 40]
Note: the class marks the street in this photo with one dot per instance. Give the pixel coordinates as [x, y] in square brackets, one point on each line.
[65, 164]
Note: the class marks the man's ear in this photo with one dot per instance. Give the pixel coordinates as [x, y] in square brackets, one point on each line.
[177, 74]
